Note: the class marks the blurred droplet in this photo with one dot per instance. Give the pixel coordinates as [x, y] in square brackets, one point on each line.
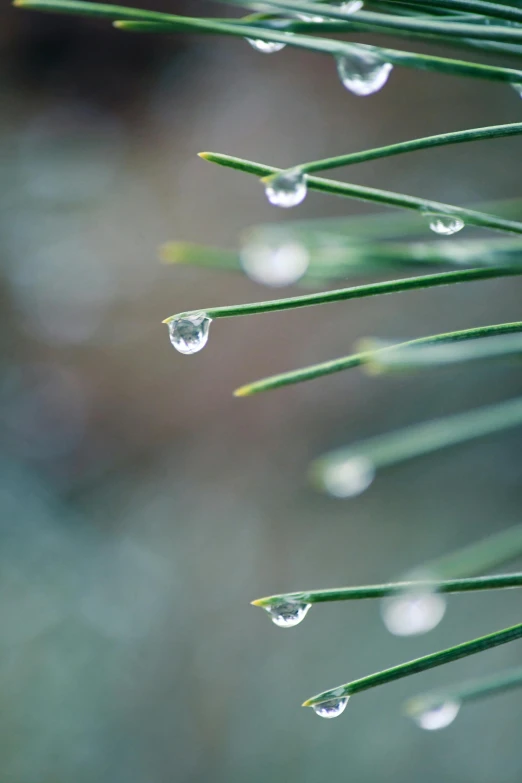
[439, 716]
[349, 478]
[274, 260]
[413, 612]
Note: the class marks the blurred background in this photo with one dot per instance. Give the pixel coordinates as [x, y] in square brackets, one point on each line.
[143, 506]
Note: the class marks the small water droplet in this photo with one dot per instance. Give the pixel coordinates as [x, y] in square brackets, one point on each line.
[309, 18]
[352, 6]
[287, 189]
[332, 708]
[438, 716]
[517, 86]
[349, 7]
[445, 225]
[413, 612]
[266, 47]
[363, 72]
[286, 614]
[189, 333]
[350, 478]
[274, 262]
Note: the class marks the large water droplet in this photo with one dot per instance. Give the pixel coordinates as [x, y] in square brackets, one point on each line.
[332, 708]
[413, 612]
[286, 189]
[446, 225]
[189, 333]
[286, 614]
[266, 47]
[274, 262]
[363, 72]
[438, 716]
[350, 478]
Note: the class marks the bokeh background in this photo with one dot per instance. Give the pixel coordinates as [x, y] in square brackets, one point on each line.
[143, 506]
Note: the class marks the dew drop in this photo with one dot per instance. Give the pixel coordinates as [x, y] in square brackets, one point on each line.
[445, 225]
[438, 716]
[363, 72]
[287, 189]
[413, 612]
[517, 86]
[350, 478]
[332, 708]
[349, 7]
[266, 47]
[352, 6]
[274, 262]
[189, 333]
[286, 614]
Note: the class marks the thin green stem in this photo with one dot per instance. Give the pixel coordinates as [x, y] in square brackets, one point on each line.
[374, 195]
[497, 582]
[440, 140]
[469, 690]
[419, 665]
[389, 358]
[480, 556]
[414, 441]
[481, 7]
[388, 23]
[452, 574]
[366, 358]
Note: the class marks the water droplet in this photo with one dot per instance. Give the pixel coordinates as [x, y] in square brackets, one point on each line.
[286, 614]
[352, 6]
[332, 708]
[274, 262]
[286, 189]
[413, 612]
[309, 18]
[189, 333]
[266, 47]
[517, 86]
[437, 716]
[363, 72]
[350, 478]
[446, 225]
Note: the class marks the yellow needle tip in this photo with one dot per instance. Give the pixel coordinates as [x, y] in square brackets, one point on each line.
[243, 391]
[204, 155]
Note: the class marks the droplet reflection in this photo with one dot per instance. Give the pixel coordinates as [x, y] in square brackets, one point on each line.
[286, 614]
[445, 225]
[189, 333]
[363, 72]
[332, 708]
[287, 189]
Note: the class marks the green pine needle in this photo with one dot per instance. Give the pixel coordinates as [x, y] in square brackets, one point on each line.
[415, 441]
[419, 665]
